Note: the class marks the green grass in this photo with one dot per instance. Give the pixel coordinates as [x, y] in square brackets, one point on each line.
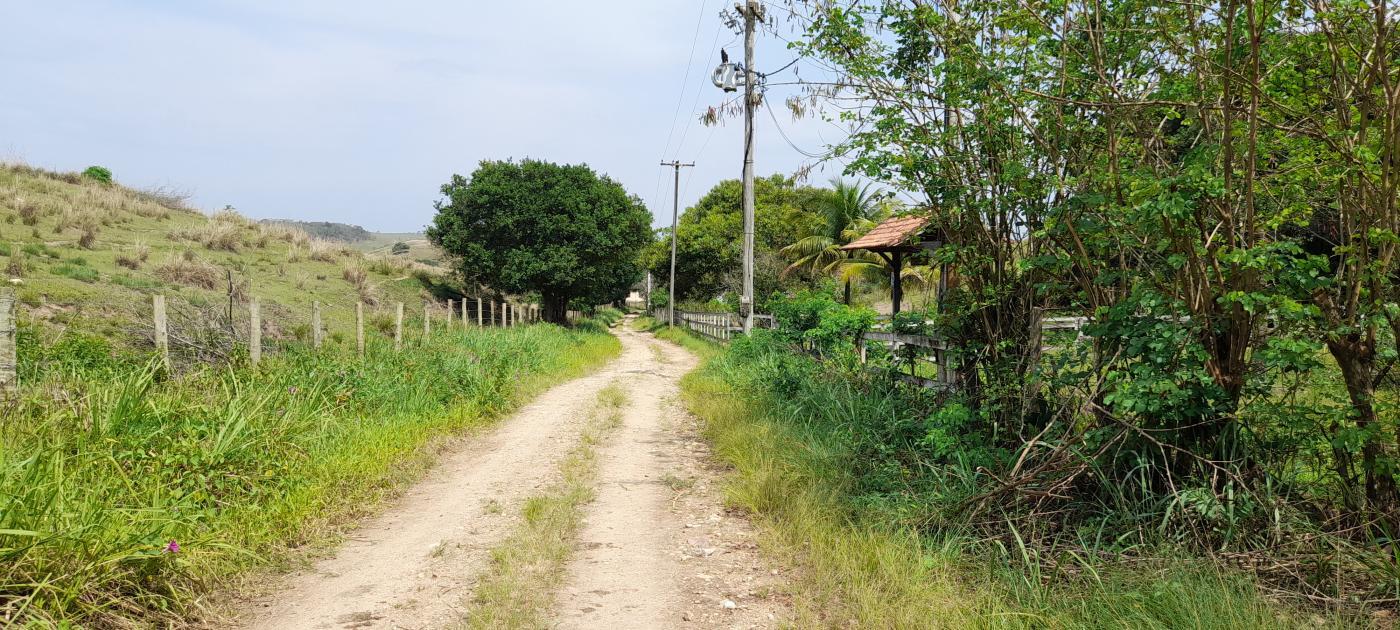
[856, 567]
[702, 347]
[528, 567]
[104, 465]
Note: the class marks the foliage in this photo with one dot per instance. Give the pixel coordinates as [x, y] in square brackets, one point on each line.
[847, 213]
[399, 248]
[1213, 187]
[99, 174]
[847, 476]
[711, 235]
[562, 231]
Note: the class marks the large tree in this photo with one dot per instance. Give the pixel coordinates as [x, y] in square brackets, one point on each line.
[711, 233]
[532, 226]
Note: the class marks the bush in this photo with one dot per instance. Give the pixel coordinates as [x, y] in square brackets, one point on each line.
[190, 270]
[98, 174]
[399, 248]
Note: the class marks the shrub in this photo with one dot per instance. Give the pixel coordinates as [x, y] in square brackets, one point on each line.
[323, 250]
[189, 270]
[399, 248]
[29, 213]
[215, 234]
[98, 174]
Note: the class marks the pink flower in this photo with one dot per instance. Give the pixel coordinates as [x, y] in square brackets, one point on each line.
[173, 547]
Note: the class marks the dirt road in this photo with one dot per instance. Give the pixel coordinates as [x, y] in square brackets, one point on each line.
[657, 548]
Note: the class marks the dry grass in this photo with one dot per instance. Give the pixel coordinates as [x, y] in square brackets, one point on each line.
[190, 270]
[322, 250]
[528, 567]
[215, 234]
[286, 233]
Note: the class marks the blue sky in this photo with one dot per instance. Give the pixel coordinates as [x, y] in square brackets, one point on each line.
[358, 111]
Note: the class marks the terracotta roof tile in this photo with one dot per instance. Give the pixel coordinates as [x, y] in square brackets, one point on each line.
[892, 233]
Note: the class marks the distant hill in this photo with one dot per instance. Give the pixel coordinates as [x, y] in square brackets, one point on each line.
[330, 230]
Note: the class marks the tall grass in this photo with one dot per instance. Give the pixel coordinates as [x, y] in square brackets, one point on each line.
[787, 424]
[125, 497]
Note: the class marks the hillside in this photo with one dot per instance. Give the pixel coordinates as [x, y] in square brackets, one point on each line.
[91, 255]
[329, 230]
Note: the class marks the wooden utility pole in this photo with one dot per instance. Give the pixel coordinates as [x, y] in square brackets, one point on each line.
[254, 330]
[316, 325]
[398, 326]
[9, 359]
[753, 12]
[360, 328]
[162, 332]
[675, 220]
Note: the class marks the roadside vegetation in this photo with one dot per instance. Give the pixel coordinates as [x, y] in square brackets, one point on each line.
[518, 589]
[842, 471]
[128, 495]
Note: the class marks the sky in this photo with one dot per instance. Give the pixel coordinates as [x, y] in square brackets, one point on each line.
[341, 110]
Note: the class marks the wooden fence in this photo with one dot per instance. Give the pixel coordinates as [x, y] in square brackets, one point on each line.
[924, 359]
[168, 330]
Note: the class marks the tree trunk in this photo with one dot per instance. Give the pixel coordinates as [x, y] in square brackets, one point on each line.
[1356, 357]
[556, 308]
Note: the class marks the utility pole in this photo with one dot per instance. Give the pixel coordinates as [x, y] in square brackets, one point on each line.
[753, 11]
[675, 219]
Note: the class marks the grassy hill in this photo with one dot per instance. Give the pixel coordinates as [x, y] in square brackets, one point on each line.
[89, 256]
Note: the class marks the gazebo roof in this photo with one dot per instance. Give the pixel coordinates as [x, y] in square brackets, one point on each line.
[892, 234]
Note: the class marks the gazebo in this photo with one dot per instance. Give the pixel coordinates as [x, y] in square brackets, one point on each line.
[891, 240]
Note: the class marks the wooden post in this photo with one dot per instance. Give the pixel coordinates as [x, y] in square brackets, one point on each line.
[449, 314]
[254, 330]
[398, 326]
[316, 325]
[9, 360]
[427, 321]
[162, 333]
[465, 321]
[493, 312]
[360, 328]
[478, 312]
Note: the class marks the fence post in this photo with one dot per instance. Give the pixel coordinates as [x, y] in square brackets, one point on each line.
[398, 326]
[427, 321]
[449, 315]
[493, 312]
[316, 325]
[360, 328]
[254, 330]
[478, 312]
[162, 333]
[465, 322]
[9, 360]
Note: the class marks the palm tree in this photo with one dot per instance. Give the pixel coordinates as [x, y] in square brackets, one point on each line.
[850, 211]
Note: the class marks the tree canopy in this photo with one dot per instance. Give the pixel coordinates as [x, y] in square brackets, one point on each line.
[562, 231]
[711, 234]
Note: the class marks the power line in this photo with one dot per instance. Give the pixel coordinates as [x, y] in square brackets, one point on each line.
[785, 136]
[685, 83]
[698, 92]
